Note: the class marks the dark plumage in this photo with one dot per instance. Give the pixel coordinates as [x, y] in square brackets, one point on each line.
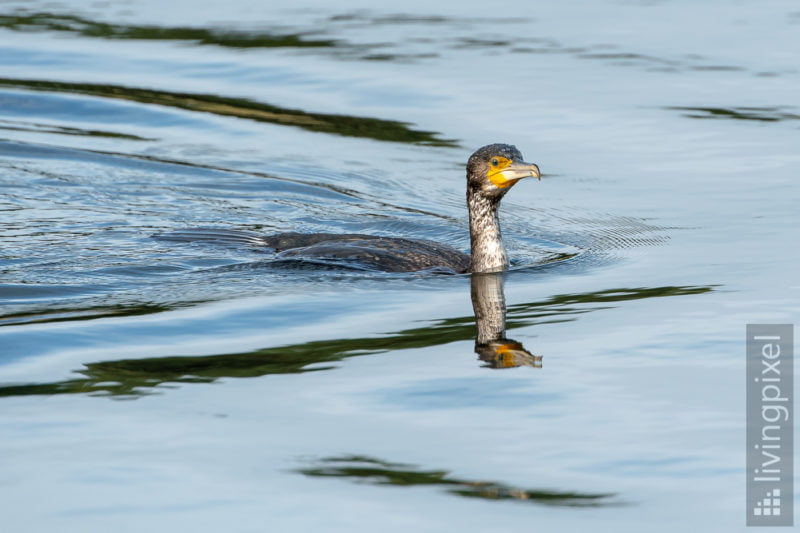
[491, 171]
[389, 254]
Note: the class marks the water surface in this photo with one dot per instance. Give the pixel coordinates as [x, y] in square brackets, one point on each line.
[154, 385]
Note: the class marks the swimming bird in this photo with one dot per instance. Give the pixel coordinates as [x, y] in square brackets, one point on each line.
[491, 172]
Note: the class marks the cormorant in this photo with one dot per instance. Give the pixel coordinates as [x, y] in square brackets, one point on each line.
[491, 172]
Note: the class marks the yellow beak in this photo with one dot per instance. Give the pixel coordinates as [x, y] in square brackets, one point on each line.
[513, 172]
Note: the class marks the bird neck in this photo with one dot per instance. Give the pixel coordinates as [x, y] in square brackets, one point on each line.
[487, 253]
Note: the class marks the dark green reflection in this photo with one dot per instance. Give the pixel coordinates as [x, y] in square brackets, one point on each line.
[42, 22]
[759, 114]
[66, 314]
[345, 125]
[130, 378]
[16, 125]
[370, 470]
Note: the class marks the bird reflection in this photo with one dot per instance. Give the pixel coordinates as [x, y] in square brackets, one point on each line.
[491, 344]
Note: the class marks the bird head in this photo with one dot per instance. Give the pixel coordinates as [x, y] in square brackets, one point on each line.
[494, 169]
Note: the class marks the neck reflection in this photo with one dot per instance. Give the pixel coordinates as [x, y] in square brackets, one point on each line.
[491, 344]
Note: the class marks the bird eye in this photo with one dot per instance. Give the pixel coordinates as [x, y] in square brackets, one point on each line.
[495, 162]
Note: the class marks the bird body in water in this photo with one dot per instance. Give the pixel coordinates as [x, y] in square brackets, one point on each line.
[491, 172]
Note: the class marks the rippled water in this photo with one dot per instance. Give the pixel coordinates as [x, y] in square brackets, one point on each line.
[282, 396]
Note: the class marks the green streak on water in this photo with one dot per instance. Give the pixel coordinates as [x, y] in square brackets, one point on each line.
[47, 22]
[758, 114]
[16, 125]
[374, 471]
[131, 378]
[66, 314]
[345, 125]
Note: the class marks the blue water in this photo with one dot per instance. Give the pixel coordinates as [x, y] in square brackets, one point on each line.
[170, 386]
